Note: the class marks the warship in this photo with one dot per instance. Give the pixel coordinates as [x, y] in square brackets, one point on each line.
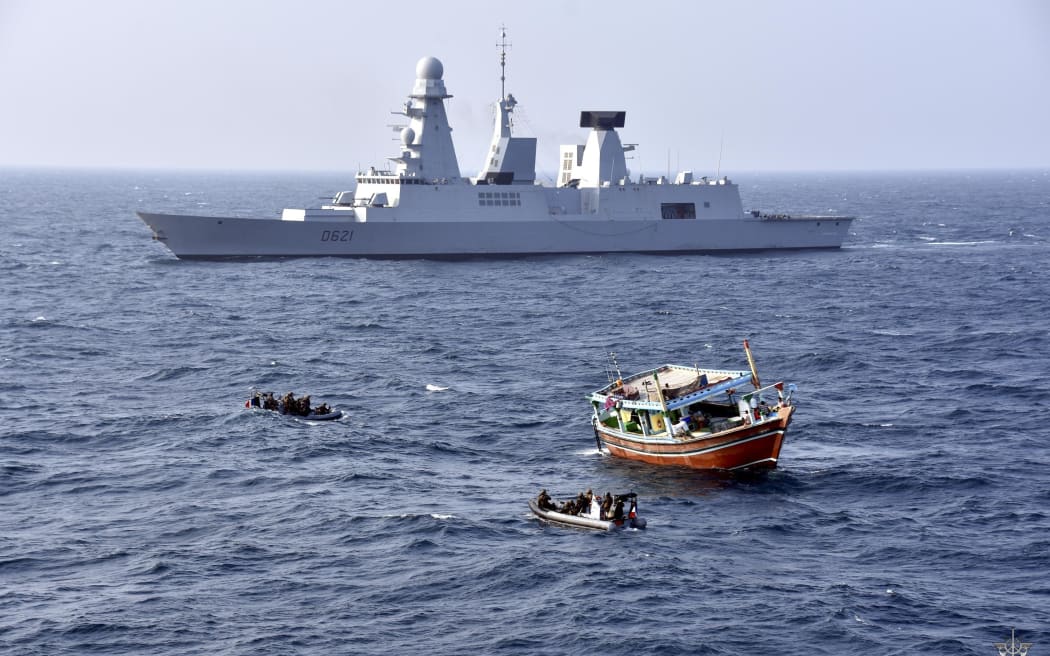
[423, 207]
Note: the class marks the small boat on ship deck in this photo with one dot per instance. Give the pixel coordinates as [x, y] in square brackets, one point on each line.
[693, 417]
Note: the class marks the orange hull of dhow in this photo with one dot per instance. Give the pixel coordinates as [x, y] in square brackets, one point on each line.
[749, 447]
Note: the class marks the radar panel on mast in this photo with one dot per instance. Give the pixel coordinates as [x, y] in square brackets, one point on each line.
[602, 120]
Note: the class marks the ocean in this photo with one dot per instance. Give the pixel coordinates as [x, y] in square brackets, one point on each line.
[144, 510]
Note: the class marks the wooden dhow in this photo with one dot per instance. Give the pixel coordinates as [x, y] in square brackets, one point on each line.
[694, 417]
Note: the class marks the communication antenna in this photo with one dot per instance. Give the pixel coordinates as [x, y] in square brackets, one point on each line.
[502, 45]
[721, 143]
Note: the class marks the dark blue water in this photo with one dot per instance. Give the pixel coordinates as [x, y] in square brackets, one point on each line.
[143, 510]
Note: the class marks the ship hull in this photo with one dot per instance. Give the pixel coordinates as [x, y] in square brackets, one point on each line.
[203, 237]
[756, 446]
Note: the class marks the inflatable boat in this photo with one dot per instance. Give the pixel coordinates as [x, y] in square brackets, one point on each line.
[290, 406]
[592, 520]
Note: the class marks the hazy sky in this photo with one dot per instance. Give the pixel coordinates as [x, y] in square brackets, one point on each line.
[310, 84]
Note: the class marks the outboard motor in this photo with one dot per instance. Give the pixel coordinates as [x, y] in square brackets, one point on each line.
[633, 520]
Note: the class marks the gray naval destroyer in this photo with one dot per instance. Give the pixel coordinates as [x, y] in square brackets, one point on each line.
[425, 208]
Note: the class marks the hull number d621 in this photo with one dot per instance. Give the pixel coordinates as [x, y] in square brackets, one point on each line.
[337, 235]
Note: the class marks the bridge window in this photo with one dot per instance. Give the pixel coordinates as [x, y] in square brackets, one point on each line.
[678, 210]
[499, 199]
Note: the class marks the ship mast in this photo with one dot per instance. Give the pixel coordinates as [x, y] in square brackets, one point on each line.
[502, 62]
[505, 105]
[510, 159]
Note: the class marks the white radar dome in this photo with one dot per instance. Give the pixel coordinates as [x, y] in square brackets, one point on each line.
[429, 68]
[408, 135]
